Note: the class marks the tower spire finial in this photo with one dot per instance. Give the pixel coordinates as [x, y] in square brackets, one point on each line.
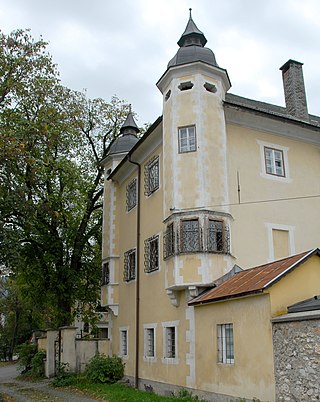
[190, 9]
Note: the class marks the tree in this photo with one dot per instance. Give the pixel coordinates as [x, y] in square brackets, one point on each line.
[51, 181]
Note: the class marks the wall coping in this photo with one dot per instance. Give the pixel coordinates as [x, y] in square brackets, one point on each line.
[300, 316]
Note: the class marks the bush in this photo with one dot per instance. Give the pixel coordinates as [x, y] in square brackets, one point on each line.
[37, 364]
[26, 352]
[64, 377]
[105, 369]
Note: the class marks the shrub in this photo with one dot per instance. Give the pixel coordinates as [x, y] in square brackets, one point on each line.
[64, 378]
[105, 369]
[26, 352]
[37, 364]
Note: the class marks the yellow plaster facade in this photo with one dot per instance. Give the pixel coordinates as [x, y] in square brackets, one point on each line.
[218, 181]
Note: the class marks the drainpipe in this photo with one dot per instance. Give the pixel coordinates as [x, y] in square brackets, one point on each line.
[136, 377]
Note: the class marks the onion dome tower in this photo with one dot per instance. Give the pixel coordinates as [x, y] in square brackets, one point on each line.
[195, 179]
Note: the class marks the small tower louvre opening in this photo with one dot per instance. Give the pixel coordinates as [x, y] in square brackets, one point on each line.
[210, 87]
[184, 86]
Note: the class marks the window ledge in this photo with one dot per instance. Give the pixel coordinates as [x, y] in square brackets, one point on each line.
[170, 360]
[150, 359]
[276, 178]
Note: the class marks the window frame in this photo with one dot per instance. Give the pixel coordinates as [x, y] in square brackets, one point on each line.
[152, 187]
[273, 165]
[263, 172]
[170, 343]
[183, 233]
[188, 147]
[148, 328]
[129, 273]
[105, 275]
[131, 194]
[225, 344]
[124, 342]
[169, 246]
[147, 254]
[214, 241]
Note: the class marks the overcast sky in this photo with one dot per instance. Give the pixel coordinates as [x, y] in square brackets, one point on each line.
[122, 47]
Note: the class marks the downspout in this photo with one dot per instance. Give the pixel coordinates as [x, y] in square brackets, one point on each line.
[136, 377]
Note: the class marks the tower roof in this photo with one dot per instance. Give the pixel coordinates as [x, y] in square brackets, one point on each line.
[127, 138]
[192, 32]
[192, 48]
[129, 124]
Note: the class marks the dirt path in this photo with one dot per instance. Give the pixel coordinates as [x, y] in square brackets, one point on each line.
[24, 391]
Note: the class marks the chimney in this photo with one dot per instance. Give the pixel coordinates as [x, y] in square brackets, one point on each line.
[294, 91]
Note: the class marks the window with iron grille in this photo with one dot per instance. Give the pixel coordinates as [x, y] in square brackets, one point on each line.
[123, 342]
[170, 342]
[225, 344]
[129, 273]
[152, 176]
[149, 347]
[131, 194]
[169, 241]
[190, 236]
[105, 280]
[274, 161]
[215, 236]
[151, 254]
[187, 139]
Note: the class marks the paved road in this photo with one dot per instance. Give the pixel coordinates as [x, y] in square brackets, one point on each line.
[24, 391]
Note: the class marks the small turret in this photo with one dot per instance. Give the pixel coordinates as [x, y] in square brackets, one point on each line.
[127, 138]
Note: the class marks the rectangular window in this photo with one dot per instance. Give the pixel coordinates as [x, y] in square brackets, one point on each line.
[225, 344]
[105, 274]
[274, 161]
[169, 241]
[187, 139]
[124, 342]
[190, 235]
[215, 239]
[129, 273]
[149, 342]
[131, 195]
[170, 342]
[152, 176]
[151, 254]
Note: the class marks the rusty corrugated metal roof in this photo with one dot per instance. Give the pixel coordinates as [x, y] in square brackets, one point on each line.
[253, 280]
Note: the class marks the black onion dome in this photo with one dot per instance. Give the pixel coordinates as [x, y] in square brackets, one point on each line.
[122, 144]
[192, 47]
[128, 137]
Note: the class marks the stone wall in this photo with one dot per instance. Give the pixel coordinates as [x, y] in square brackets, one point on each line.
[296, 339]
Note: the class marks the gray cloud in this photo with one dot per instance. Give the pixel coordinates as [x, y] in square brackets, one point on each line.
[122, 47]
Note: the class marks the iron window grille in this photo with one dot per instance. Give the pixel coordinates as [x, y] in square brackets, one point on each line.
[169, 241]
[129, 273]
[187, 139]
[151, 256]
[225, 344]
[217, 237]
[105, 280]
[274, 161]
[190, 236]
[170, 346]
[131, 195]
[149, 344]
[151, 176]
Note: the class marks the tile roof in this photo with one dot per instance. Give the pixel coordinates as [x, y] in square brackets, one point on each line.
[269, 108]
[253, 280]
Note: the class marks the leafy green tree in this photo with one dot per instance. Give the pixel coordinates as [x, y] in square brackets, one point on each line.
[52, 140]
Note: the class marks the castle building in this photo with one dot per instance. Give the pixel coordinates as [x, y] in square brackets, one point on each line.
[210, 230]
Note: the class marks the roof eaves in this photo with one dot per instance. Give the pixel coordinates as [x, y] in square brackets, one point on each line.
[293, 266]
[223, 298]
[142, 139]
[279, 115]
